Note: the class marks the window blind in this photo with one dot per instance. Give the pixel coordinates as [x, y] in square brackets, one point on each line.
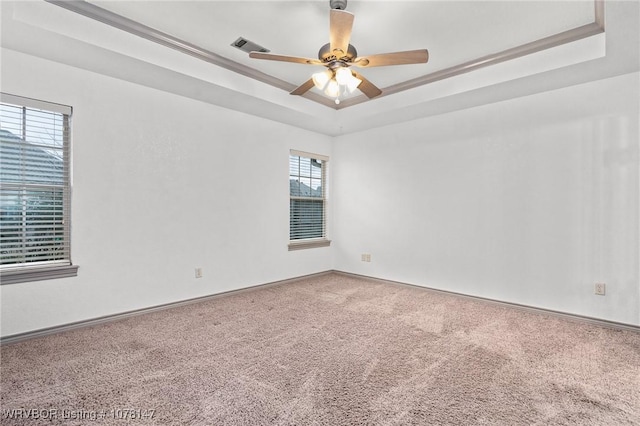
[34, 184]
[307, 196]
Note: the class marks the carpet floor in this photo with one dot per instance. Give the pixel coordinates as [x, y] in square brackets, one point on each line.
[328, 350]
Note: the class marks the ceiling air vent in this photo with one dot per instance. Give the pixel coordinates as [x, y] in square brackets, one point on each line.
[248, 46]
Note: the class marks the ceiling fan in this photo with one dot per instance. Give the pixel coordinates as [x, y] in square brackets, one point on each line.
[338, 55]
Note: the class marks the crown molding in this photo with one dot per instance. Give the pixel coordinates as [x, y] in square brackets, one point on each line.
[133, 27]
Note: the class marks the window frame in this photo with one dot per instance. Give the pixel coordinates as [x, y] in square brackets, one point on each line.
[47, 269]
[323, 241]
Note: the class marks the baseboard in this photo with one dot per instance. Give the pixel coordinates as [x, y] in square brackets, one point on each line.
[565, 315]
[20, 337]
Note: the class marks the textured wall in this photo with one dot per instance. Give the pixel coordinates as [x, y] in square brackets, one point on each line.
[161, 185]
[530, 200]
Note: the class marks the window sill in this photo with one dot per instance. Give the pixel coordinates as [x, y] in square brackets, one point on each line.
[37, 274]
[307, 244]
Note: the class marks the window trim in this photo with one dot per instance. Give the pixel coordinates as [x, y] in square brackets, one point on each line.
[37, 273]
[308, 243]
[45, 270]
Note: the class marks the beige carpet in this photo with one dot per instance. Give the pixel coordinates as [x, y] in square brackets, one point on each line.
[329, 350]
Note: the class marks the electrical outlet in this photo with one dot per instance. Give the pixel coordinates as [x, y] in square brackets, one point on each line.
[600, 289]
[198, 272]
[366, 257]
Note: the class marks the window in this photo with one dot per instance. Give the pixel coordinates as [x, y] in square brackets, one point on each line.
[34, 191]
[307, 200]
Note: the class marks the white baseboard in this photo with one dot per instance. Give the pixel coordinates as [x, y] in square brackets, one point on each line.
[569, 316]
[15, 338]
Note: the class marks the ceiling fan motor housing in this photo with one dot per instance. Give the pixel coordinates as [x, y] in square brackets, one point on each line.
[326, 55]
[338, 4]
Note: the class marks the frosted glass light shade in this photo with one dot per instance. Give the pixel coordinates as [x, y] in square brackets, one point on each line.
[333, 89]
[343, 76]
[353, 84]
[320, 79]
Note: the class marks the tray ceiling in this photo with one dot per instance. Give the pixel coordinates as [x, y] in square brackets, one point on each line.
[456, 33]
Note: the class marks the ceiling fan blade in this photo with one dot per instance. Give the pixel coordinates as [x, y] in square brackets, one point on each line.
[396, 58]
[303, 88]
[340, 25]
[282, 58]
[367, 87]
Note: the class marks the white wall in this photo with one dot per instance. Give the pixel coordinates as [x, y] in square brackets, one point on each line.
[161, 184]
[529, 200]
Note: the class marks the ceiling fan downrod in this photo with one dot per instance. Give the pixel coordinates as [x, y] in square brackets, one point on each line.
[338, 4]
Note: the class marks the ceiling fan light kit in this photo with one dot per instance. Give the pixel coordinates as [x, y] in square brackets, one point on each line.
[336, 83]
[338, 55]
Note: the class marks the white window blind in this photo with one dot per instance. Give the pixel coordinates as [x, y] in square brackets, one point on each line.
[307, 200]
[34, 186]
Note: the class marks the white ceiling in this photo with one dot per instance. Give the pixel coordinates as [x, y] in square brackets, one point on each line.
[454, 32]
